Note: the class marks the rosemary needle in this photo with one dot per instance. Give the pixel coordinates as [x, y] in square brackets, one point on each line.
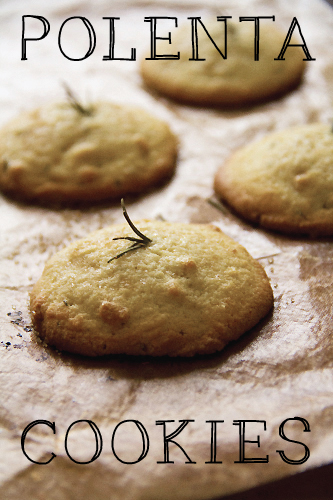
[140, 242]
[75, 103]
[142, 236]
[218, 205]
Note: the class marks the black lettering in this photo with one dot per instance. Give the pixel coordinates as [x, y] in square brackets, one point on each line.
[256, 31]
[213, 442]
[111, 56]
[287, 43]
[153, 38]
[195, 44]
[92, 38]
[46, 25]
[242, 441]
[282, 434]
[25, 432]
[145, 441]
[169, 439]
[98, 439]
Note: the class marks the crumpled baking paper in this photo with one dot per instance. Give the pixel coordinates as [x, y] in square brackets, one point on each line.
[280, 370]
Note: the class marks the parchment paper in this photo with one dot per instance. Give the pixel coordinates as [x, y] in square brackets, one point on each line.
[279, 370]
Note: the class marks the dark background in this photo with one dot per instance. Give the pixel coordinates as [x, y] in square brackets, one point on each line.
[315, 484]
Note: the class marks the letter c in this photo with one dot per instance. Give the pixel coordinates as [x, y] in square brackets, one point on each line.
[25, 432]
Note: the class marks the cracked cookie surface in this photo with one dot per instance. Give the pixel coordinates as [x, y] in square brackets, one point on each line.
[238, 80]
[284, 181]
[58, 154]
[190, 291]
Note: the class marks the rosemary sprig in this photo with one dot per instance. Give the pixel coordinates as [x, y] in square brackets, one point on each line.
[217, 204]
[268, 256]
[140, 242]
[75, 103]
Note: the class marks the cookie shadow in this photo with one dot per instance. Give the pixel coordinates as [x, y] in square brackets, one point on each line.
[141, 368]
[228, 110]
[276, 236]
[89, 205]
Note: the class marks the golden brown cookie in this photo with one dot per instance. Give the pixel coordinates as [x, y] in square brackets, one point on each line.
[284, 181]
[188, 289]
[235, 81]
[64, 153]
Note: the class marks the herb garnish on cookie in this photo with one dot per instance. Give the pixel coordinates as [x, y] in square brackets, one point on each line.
[137, 242]
[190, 290]
[66, 152]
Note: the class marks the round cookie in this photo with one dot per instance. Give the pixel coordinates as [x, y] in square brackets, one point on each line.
[189, 290]
[284, 181]
[236, 81]
[63, 152]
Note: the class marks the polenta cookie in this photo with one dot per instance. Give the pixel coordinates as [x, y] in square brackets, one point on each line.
[235, 81]
[175, 289]
[64, 152]
[284, 181]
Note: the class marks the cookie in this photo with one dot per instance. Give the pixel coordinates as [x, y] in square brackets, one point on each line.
[188, 289]
[64, 152]
[284, 181]
[236, 81]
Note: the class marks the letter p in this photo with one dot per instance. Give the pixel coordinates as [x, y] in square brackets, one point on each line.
[46, 26]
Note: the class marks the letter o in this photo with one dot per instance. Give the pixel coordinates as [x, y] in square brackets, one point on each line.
[98, 438]
[145, 442]
[92, 38]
